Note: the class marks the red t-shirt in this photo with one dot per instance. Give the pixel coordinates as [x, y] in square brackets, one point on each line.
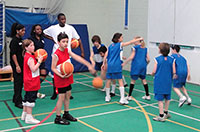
[31, 79]
[62, 57]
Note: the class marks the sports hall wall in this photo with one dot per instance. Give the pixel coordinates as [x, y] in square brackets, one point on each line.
[103, 17]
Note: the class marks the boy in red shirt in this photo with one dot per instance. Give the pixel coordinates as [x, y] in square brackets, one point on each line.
[63, 82]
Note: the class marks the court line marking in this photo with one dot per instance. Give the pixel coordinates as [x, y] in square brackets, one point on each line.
[83, 117]
[189, 117]
[171, 112]
[104, 113]
[167, 119]
[143, 110]
[179, 123]
[138, 90]
[6, 90]
[89, 126]
[78, 108]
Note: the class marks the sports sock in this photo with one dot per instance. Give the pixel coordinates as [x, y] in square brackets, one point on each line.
[166, 112]
[131, 89]
[146, 88]
[113, 88]
[161, 115]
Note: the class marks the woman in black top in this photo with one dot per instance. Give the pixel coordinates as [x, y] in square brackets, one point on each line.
[16, 61]
[37, 38]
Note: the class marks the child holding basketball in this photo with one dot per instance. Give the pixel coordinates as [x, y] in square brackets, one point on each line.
[140, 58]
[164, 71]
[183, 73]
[31, 74]
[63, 82]
[114, 68]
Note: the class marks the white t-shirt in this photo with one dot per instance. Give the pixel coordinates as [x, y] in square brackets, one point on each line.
[55, 30]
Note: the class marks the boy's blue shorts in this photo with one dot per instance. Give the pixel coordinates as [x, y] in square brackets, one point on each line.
[135, 77]
[161, 97]
[114, 75]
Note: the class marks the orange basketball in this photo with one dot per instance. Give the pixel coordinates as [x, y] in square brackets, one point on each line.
[97, 82]
[66, 68]
[41, 52]
[74, 43]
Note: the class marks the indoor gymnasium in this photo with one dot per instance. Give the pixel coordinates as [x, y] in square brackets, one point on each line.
[99, 65]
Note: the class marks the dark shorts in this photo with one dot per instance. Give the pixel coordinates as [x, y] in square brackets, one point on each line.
[98, 66]
[64, 89]
[135, 77]
[30, 96]
[42, 66]
[161, 97]
[114, 75]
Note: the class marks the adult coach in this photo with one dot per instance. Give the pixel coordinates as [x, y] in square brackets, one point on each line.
[16, 61]
[53, 31]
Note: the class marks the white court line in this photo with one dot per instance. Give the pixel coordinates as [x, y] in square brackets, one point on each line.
[151, 94]
[189, 117]
[41, 86]
[83, 117]
[6, 90]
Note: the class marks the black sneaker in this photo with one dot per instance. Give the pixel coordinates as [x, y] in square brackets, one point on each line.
[71, 97]
[61, 121]
[69, 117]
[112, 94]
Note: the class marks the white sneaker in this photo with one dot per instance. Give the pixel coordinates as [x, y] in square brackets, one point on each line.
[146, 97]
[107, 99]
[31, 120]
[40, 95]
[23, 116]
[128, 98]
[189, 101]
[182, 101]
[123, 101]
[166, 116]
[158, 118]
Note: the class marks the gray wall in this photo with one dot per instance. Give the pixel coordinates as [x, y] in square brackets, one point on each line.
[106, 17]
[103, 17]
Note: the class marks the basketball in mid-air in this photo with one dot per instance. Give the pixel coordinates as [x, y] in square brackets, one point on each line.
[97, 82]
[41, 52]
[74, 43]
[66, 68]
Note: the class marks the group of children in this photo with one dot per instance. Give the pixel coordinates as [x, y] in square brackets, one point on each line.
[167, 70]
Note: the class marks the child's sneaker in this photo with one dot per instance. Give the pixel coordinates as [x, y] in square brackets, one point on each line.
[182, 101]
[158, 118]
[166, 116]
[123, 101]
[128, 98]
[146, 97]
[40, 95]
[112, 94]
[30, 120]
[189, 101]
[107, 99]
[23, 116]
[69, 117]
[61, 121]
